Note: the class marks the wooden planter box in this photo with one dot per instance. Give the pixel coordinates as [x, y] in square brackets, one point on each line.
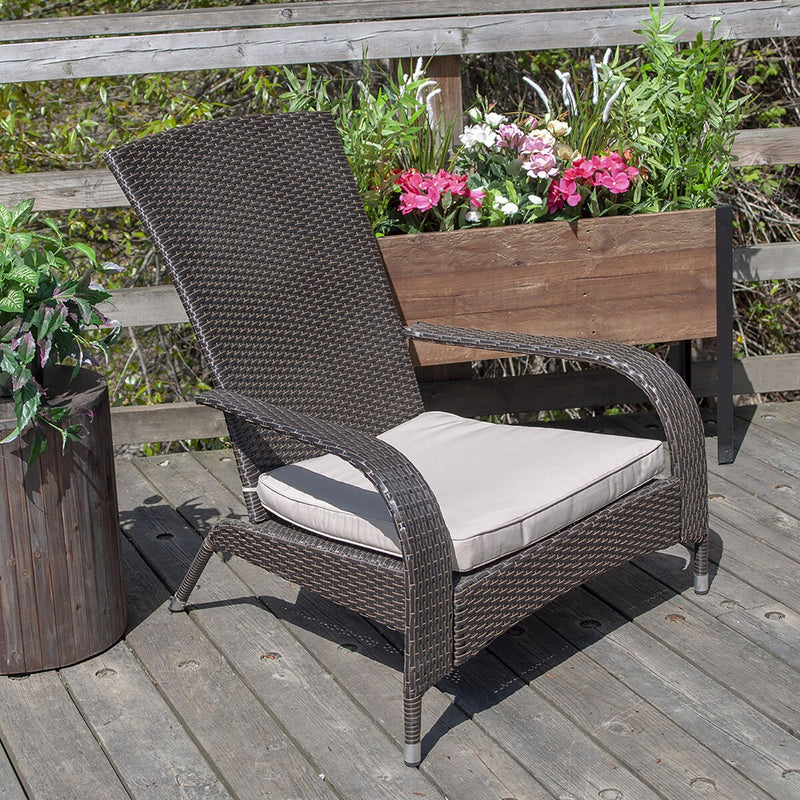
[640, 279]
[637, 279]
[61, 593]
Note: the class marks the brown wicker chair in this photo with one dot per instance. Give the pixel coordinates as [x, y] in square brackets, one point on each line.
[261, 227]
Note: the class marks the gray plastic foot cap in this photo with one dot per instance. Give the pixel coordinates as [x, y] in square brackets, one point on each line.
[176, 605]
[701, 584]
[412, 754]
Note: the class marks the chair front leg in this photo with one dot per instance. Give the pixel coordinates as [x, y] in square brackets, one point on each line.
[412, 722]
[178, 601]
[701, 566]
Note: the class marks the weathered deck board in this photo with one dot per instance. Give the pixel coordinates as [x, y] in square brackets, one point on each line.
[120, 704]
[632, 684]
[54, 752]
[10, 788]
[701, 704]
[193, 675]
[710, 647]
[621, 721]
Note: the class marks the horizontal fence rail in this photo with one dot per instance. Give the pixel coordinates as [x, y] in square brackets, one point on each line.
[298, 13]
[96, 188]
[349, 30]
[290, 43]
[174, 421]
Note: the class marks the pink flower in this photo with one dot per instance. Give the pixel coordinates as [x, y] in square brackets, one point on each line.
[555, 200]
[409, 181]
[565, 190]
[616, 182]
[423, 192]
[447, 182]
[540, 159]
[418, 202]
[475, 197]
[581, 168]
[511, 136]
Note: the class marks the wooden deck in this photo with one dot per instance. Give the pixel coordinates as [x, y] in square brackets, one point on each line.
[631, 688]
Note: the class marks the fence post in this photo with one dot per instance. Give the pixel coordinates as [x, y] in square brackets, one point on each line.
[446, 71]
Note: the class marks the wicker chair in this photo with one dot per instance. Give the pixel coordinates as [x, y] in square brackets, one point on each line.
[261, 227]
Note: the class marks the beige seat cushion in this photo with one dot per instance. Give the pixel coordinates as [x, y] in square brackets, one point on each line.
[500, 487]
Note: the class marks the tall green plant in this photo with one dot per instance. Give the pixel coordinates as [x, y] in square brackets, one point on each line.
[682, 111]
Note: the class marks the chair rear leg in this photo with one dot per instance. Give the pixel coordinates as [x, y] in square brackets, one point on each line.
[701, 567]
[412, 721]
[178, 601]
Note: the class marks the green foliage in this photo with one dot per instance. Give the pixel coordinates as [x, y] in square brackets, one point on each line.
[47, 305]
[683, 111]
[384, 120]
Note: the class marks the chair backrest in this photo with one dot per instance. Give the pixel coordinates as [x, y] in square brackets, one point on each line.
[263, 232]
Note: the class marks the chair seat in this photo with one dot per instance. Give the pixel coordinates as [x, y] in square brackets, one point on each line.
[500, 487]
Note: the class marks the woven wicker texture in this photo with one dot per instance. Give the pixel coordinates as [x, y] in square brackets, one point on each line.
[424, 540]
[260, 224]
[261, 227]
[367, 582]
[490, 601]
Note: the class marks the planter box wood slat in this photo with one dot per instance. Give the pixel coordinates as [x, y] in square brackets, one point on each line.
[636, 279]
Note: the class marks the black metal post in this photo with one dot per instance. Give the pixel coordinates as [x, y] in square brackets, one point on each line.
[725, 450]
[680, 359]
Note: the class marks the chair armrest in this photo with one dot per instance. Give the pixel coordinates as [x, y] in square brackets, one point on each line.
[671, 398]
[424, 538]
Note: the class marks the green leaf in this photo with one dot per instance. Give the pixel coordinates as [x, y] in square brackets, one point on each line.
[13, 302]
[27, 401]
[26, 348]
[23, 240]
[38, 446]
[21, 212]
[6, 217]
[81, 247]
[24, 274]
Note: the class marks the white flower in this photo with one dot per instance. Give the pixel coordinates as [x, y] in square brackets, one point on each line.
[478, 134]
[566, 153]
[566, 91]
[535, 200]
[504, 205]
[607, 109]
[473, 216]
[430, 107]
[558, 128]
[495, 120]
[499, 200]
[421, 88]
[474, 114]
[544, 136]
[538, 89]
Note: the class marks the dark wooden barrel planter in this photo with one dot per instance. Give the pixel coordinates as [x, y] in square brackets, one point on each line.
[61, 592]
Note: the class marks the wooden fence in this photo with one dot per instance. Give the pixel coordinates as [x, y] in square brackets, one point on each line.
[349, 30]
